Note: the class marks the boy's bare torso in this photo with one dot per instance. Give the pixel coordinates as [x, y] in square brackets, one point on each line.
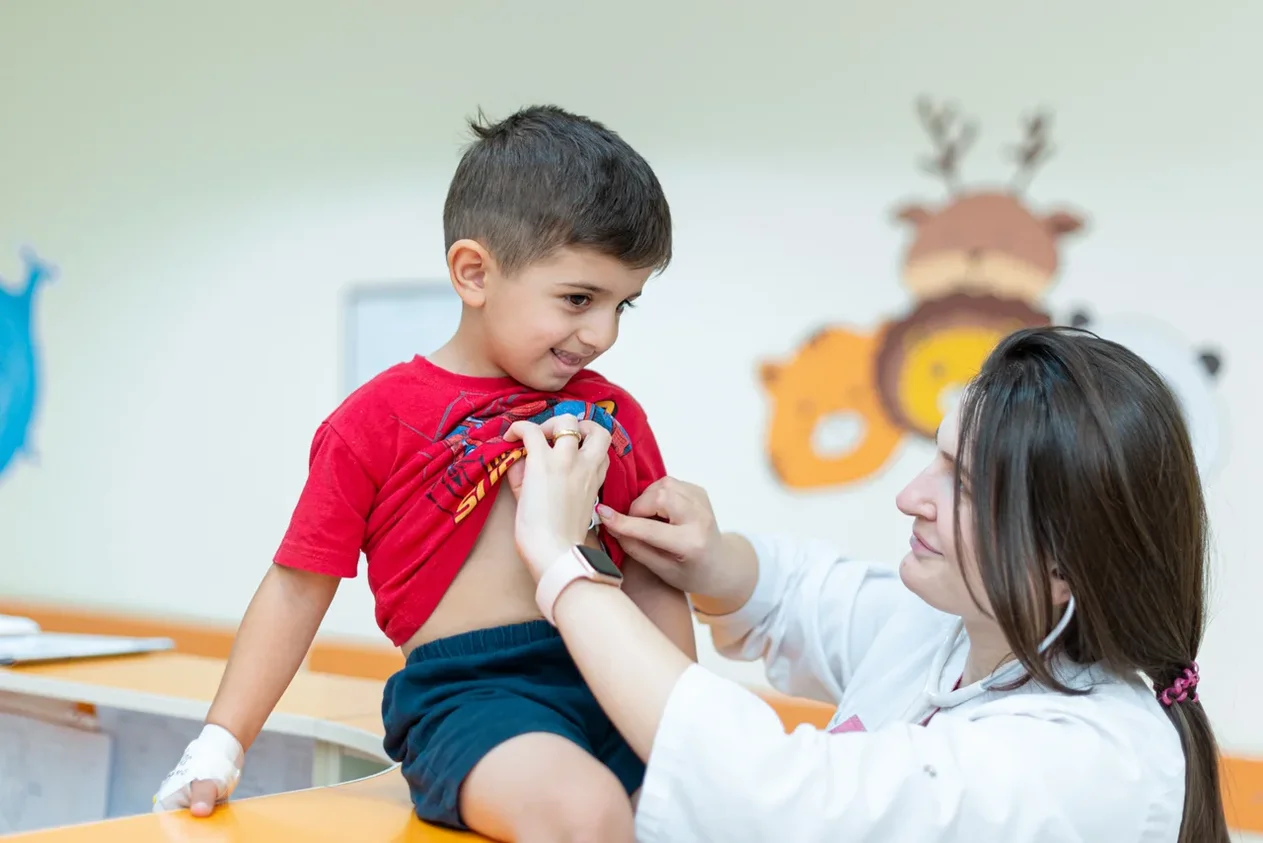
[493, 588]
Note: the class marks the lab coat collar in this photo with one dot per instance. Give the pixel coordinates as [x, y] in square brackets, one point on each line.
[1008, 672]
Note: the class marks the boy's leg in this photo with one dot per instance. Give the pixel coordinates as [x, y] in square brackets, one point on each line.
[490, 729]
[543, 787]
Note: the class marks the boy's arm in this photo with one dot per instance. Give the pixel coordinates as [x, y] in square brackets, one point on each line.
[321, 547]
[667, 607]
[271, 643]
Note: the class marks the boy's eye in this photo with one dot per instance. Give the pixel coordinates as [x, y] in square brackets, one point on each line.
[579, 300]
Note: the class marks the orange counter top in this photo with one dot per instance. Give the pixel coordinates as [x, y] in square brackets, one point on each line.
[338, 710]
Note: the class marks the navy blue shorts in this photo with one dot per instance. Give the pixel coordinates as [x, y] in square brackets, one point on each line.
[458, 698]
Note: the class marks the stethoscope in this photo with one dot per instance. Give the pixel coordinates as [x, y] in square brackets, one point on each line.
[1009, 672]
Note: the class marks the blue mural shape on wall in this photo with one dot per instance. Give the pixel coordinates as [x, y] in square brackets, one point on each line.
[19, 364]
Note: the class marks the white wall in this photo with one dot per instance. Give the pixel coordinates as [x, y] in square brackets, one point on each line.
[207, 180]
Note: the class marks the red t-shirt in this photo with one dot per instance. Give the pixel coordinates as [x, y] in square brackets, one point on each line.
[405, 468]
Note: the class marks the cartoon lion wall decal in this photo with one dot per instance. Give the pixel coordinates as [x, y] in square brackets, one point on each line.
[928, 357]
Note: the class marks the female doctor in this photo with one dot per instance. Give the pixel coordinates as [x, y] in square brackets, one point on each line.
[1028, 673]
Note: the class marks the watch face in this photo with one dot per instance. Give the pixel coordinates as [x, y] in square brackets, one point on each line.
[600, 561]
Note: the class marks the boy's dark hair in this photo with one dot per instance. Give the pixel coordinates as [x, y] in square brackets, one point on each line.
[544, 179]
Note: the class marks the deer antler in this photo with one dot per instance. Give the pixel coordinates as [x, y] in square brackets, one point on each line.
[939, 124]
[1034, 150]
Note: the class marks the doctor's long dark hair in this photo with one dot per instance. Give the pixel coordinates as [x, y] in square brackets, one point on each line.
[1078, 464]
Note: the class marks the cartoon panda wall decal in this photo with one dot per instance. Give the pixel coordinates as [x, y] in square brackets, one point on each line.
[1192, 373]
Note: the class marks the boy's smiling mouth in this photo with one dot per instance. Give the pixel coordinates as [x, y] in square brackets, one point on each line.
[569, 359]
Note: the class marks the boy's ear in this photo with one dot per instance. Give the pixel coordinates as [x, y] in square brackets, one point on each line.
[468, 264]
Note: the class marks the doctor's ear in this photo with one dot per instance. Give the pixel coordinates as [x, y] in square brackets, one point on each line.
[1060, 588]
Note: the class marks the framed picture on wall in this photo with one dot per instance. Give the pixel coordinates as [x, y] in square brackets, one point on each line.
[388, 323]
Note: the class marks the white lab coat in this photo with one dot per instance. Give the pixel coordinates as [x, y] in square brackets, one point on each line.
[1026, 765]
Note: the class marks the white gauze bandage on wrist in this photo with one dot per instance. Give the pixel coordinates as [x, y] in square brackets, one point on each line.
[214, 755]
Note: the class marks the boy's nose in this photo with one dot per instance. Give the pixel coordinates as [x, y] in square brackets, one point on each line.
[598, 337]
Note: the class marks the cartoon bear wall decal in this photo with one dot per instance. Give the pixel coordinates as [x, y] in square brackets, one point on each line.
[828, 424]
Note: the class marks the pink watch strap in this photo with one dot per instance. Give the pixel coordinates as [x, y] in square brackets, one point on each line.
[559, 575]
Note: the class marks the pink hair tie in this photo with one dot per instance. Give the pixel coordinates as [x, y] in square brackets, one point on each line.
[1181, 688]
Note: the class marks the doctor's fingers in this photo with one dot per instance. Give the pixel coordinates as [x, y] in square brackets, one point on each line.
[663, 548]
[596, 442]
[679, 502]
[531, 435]
[565, 432]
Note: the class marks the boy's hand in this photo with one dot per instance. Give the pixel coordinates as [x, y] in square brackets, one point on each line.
[203, 794]
[207, 774]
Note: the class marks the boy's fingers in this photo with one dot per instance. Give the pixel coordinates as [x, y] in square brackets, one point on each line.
[202, 796]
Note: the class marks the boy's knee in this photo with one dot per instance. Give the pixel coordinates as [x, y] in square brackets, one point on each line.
[597, 812]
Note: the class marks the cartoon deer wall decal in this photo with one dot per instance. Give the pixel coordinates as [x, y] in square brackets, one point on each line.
[982, 241]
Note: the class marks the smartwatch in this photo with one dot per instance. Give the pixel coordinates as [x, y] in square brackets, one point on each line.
[578, 562]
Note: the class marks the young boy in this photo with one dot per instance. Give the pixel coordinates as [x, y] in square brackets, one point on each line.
[553, 226]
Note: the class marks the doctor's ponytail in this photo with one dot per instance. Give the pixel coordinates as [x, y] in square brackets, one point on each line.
[1203, 805]
[1078, 464]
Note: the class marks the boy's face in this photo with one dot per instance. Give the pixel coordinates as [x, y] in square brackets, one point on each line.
[552, 318]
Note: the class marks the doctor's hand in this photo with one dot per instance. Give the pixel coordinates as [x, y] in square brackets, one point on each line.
[556, 485]
[671, 529]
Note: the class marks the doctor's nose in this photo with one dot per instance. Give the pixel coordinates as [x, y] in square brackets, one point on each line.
[915, 500]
